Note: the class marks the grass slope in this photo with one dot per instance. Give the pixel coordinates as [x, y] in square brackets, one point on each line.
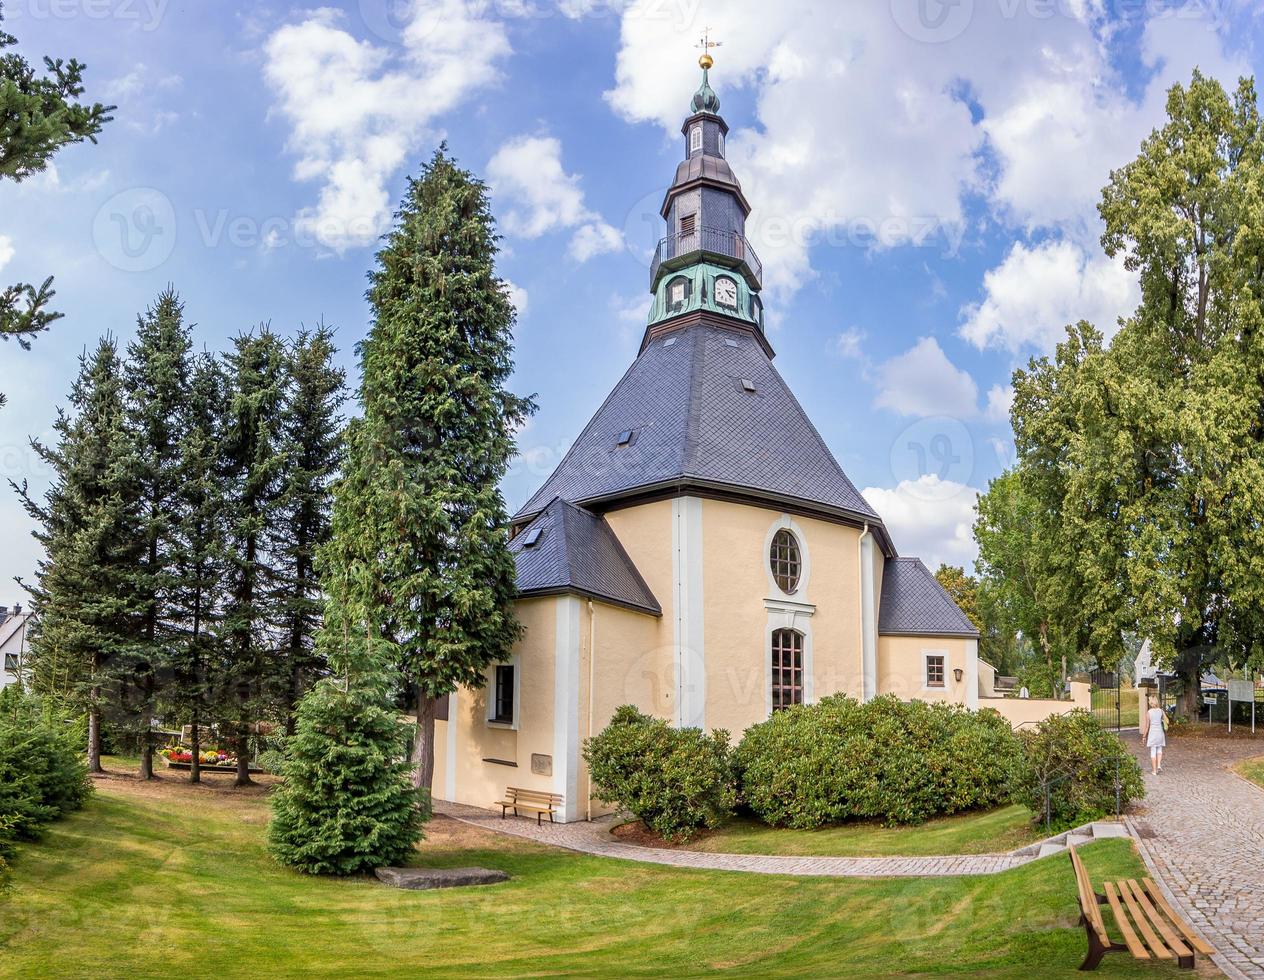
[166, 879]
[1252, 769]
[973, 833]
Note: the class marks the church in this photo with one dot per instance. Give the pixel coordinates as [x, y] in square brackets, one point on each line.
[698, 552]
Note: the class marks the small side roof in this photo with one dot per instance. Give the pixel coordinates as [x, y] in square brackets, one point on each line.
[576, 551]
[915, 604]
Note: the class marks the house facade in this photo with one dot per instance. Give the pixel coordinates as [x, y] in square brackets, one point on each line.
[698, 552]
[13, 644]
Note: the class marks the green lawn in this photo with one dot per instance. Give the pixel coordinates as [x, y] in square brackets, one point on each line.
[1252, 769]
[971, 833]
[174, 880]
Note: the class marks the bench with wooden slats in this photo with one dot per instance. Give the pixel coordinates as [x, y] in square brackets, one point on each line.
[1136, 907]
[530, 800]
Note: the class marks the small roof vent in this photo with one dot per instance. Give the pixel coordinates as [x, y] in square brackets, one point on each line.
[669, 341]
[533, 537]
[626, 438]
[730, 342]
[748, 385]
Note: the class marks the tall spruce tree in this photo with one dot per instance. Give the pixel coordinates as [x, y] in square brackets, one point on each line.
[38, 116]
[200, 556]
[89, 523]
[312, 433]
[419, 542]
[248, 673]
[157, 383]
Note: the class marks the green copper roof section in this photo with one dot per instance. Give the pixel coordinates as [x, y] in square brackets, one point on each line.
[698, 291]
[705, 99]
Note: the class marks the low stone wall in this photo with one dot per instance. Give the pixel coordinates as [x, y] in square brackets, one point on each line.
[1020, 711]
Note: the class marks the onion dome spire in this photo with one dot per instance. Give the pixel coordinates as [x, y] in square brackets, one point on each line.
[705, 99]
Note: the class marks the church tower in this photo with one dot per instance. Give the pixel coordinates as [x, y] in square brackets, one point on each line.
[705, 264]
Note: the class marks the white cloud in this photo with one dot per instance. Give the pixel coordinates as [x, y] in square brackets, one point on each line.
[517, 296]
[922, 381]
[834, 156]
[527, 174]
[1036, 291]
[1000, 399]
[929, 518]
[356, 110]
[849, 343]
[6, 250]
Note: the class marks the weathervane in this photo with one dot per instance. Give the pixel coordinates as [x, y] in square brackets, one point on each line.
[706, 44]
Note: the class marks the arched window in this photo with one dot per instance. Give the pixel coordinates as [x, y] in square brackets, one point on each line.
[785, 561]
[677, 293]
[787, 668]
[695, 139]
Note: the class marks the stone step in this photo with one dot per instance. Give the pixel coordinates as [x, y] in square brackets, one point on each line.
[1104, 830]
[1047, 849]
[1075, 840]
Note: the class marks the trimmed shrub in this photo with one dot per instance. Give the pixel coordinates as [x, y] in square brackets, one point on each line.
[889, 760]
[676, 780]
[42, 772]
[347, 803]
[1075, 762]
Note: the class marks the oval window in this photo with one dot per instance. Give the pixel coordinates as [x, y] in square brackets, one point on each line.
[785, 561]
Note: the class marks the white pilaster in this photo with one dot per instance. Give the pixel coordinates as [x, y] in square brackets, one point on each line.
[868, 622]
[690, 667]
[449, 750]
[566, 707]
[972, 674]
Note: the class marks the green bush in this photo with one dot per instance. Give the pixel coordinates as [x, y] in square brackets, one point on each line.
[42, 772]
[1074, 762]
[889, 760]
[674, 779]
[347, 804]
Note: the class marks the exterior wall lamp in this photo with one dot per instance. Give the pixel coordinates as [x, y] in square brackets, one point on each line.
[956, 673]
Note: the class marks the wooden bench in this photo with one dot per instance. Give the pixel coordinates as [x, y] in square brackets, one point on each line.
[531, 800]
[1136, 908]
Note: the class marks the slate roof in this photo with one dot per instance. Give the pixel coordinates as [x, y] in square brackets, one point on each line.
[692, 420]
[578, 552]
[914, 603]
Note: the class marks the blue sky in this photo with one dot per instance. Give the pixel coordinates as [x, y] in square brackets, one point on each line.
[924, 177]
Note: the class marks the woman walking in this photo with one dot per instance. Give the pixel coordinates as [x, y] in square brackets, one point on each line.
[1154, 731]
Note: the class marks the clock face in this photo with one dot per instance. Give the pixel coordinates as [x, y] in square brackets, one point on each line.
[726, 292]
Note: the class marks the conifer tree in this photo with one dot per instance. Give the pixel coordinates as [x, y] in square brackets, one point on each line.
[38, 116]
[200, 563]
[255, 462]
[313, 453]
[86, 598]
[419, 536]
[157, 383]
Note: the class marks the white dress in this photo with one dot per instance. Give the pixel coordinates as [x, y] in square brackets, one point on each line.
[1156, 738]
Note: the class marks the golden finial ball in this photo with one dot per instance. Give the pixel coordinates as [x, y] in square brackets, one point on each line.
[705, 62]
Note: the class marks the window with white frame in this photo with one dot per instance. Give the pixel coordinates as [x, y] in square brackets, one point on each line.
[787, 668]
[936, 670]
[504, 677]
[695, 139]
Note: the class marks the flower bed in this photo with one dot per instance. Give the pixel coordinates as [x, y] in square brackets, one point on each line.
[184, 756]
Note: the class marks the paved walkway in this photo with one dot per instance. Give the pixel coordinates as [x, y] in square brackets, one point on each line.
[1203, 833]
[595, 838]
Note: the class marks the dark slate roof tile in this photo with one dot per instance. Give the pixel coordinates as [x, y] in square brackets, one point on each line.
[694, 420]
[577, 551]
[914, 603]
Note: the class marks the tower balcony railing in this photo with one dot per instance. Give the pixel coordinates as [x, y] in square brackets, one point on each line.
[715, 241]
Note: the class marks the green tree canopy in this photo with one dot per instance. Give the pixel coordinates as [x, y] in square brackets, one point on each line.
[418, 568]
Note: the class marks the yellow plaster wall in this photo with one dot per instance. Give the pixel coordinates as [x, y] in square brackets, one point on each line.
[902, 668]
[735, 586]
[1021, 711]
[480, 783]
